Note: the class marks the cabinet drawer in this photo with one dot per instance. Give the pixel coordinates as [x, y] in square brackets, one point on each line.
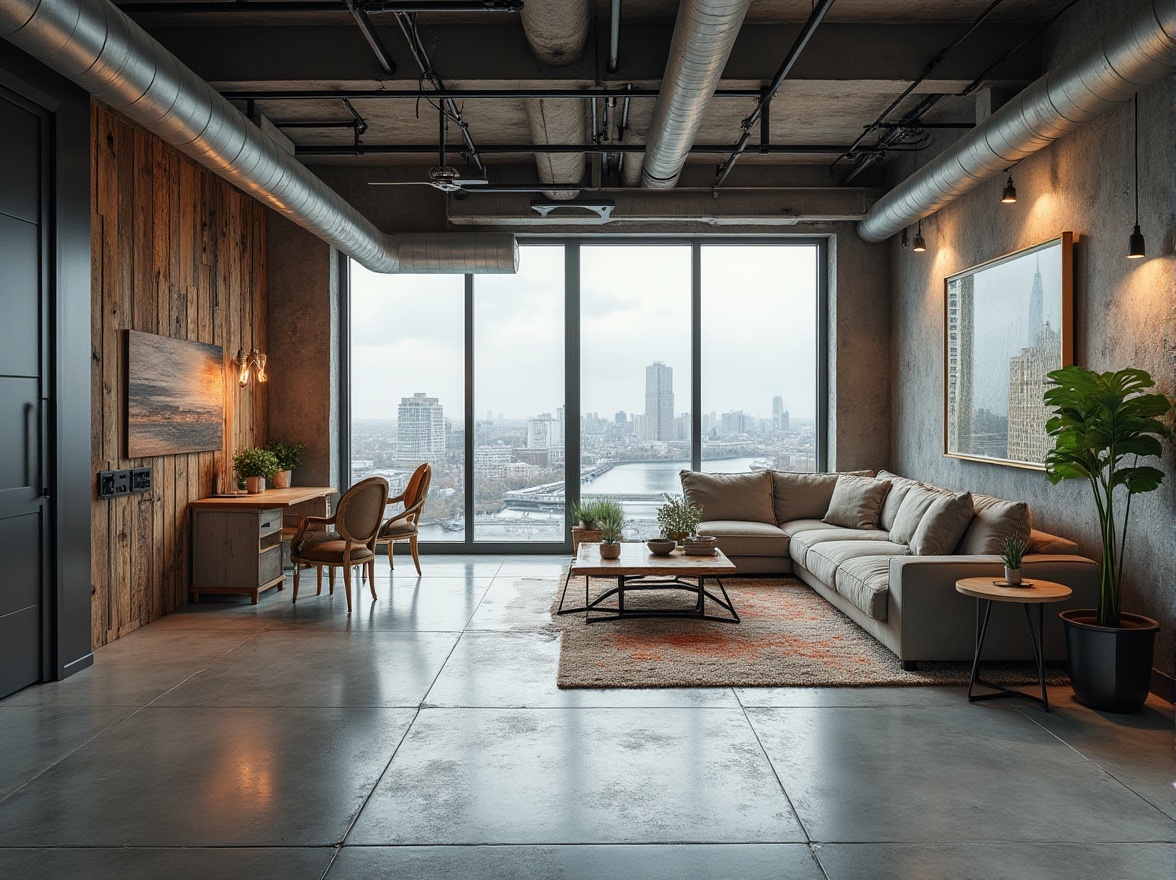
[269, 564]
[268, 522]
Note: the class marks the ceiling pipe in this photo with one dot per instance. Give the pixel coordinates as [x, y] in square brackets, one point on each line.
[99, 48]
[704, 35]
[557, 31]
[614, 36]
[1136, 51]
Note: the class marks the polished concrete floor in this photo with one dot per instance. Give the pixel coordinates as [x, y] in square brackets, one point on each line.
[424, 736]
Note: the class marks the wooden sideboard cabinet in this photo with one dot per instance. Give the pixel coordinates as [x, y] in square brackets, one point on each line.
[236, 551]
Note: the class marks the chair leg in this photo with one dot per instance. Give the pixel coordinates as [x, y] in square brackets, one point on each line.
[391, 544]
[412, 545]
[370, 568]
[296, 568]
[347, 585]
[319, 571]
[331, 578]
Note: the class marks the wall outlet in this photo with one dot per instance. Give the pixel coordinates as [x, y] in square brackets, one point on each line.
[141, 479]
[111, 483]
[105, 484]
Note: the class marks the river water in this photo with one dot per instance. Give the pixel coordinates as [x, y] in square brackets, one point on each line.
[628, 478]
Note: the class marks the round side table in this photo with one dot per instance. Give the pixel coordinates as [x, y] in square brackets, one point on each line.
[987, 590]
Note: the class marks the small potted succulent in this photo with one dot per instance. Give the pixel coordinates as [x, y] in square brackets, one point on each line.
[678, 518]
[255, 466]
[1012, 552]
[610, 516]
[288, 455]
[583, 517]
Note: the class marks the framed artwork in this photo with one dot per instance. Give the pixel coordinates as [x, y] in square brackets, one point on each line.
[1008, 322]
[175, 396]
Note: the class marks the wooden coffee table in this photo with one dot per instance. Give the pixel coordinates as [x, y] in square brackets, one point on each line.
[639, 570]
[1037, 592]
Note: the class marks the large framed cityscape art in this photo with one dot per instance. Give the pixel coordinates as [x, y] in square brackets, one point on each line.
[1008, 322]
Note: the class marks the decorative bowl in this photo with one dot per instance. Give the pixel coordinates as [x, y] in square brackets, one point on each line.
[661, 546]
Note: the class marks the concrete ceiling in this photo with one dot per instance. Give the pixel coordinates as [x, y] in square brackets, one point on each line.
[860, 59]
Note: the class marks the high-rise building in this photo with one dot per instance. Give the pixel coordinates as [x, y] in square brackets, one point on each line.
[779, 414]
[420, 427]
[960, 343]
[543, 432]
[1036, 307]
[1028, 413]
[659, 402]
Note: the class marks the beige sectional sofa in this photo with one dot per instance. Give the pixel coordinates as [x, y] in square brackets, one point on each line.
[887, 552]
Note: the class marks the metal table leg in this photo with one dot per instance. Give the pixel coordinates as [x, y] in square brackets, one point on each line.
[1037, 639]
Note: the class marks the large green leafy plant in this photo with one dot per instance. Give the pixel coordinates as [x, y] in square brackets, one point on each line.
[1102, 425]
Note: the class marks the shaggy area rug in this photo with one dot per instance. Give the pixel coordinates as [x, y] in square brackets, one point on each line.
[789, 636]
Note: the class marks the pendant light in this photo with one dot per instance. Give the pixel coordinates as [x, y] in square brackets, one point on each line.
[1010, 192]
[920, 244]
[1135, 246]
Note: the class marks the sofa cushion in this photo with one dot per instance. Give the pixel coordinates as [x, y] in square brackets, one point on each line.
[731, 496]
[910, 512]
[803, 525]
[942, 525]
[825, 558]
[993, 522]
[1043, 542]
[804, 540]
[745, 538]
[804, 496]
[865, 581]
[856, 502]
[899, 486]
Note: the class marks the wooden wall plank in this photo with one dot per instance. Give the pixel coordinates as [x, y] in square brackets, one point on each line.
[176, 251]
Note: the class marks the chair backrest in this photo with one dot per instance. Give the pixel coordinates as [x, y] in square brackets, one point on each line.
[418, 488]
[361, 510]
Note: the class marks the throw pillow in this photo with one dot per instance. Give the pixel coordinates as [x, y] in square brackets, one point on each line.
[898, 491]
[918, 498]
[995, 521]
[804, 496]
[745, 497]
[942, 525]
[856, 502]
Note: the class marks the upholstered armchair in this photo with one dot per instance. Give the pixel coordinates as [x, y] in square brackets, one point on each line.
[403, 525]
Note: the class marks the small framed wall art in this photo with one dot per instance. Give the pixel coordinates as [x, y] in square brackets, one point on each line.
[175, 396]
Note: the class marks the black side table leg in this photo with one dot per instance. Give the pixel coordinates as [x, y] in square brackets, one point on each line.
[981, 630]
[1038, 641]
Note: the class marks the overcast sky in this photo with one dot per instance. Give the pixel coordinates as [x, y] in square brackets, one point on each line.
[758, 332]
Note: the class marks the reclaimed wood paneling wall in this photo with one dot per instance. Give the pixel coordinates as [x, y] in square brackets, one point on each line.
[178, 252]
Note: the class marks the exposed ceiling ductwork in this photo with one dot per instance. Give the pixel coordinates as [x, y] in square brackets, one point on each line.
[96, 46]
[557, 31]
[1138, 50]
[704, 34]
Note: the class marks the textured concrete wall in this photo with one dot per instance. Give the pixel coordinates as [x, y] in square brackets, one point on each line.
[304, 349]
[1125, 311]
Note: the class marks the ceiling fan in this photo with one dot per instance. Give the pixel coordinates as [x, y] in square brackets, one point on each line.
[448, 179]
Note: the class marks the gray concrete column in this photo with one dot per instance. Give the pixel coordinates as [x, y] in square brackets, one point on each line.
[304, 355]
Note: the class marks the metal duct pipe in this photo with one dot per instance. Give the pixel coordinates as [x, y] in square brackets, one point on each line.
[704, 34]
[557, 31]
[1136, 51]
[96, 46]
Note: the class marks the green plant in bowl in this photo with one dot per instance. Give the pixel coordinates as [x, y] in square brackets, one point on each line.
[678, 518]
[288, 455]
[255, 462]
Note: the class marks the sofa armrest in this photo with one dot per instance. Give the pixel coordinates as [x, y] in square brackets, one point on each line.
[939, 623]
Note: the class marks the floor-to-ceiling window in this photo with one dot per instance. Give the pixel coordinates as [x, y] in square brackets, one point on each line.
[602, 368]
[407, 401]
[759, 357]
[519, 419]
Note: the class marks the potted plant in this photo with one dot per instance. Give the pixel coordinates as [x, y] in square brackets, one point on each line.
[1102, 424]
[610, 516]
[289, 455]
[584, 528]
[255, 466]
[678, 518]
[1012, 552]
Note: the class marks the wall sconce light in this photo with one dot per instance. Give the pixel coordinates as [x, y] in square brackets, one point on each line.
[920, 244]
[906, 241]
[1010, 192]
[1135, 245]
[250, 363]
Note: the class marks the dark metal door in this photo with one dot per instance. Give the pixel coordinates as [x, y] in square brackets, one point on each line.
[23, 409]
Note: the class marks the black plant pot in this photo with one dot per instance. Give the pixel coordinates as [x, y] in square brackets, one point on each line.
[1110, 667]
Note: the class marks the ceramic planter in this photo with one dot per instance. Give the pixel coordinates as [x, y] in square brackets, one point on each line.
[1012, 576]
[255, 485]
[610, 551]
[1110, 667]
[282, 479]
